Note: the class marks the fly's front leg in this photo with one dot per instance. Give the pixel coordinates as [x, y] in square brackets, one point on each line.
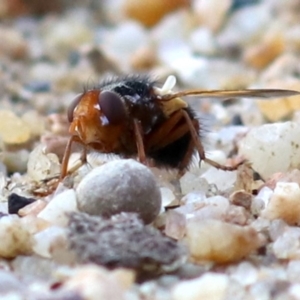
[65, 161]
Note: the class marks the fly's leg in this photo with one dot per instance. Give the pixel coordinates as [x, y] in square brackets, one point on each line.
[65, 161]
[200, 149]
[139, 141]
[171, 131]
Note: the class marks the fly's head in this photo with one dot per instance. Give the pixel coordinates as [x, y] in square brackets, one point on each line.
[97, 116]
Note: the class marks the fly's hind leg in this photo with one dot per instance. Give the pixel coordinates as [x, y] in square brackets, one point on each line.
[195, 137]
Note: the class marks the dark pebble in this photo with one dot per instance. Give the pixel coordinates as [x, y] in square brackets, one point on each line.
[16, 202]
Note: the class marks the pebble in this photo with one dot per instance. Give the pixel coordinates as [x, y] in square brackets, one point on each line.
[13, 44]
[42, 165]
[16, 202]
[10, 283]
[92, 282]
[34, 267]
[15, 161]
[143, 59]
[47, 241]
[203, 42]
[120, 186]
[272, 148]
[190, 182]
[123, 241]
[223, 180]
[15, 237]
[282, 68]
[293, 270]
[237, 215]
[214, 207]
[63, 35]
[245, 273]
[200, 208]
[13, 130]
[57, 209]
[167, 196]
[211, 14]
[287, 245]
[150, 12]
[241, 198]
[174, 28]
[175, 224]
[259, 56]
[34, 224]
[280, 108]
[210, 286]
[192, 197]
[284, 203]
[277, 228]
[32, 209]
[220, 242]
[245, 25]
[113, 41]
[35, 122]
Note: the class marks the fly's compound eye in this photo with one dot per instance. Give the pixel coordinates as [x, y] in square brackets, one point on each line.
[112, 106]
[72, 106]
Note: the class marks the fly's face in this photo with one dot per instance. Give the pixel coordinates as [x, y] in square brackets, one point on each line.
[97, 117]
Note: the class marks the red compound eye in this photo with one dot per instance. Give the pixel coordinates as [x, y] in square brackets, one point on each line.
[112, 106]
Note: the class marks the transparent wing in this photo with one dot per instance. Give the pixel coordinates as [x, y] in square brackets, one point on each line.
[225, 94]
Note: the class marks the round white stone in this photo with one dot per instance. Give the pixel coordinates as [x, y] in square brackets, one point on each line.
[120, 186]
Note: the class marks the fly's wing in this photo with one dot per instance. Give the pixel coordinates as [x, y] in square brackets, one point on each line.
[225, 94]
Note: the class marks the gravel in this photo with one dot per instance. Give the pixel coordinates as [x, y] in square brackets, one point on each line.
[209, 234]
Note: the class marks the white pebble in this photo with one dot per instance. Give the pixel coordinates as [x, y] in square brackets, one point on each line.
[213, 208]
[45, 241]
[94, 283]
[294, 291]
[56, 210]
[10, 283]
[129, 37]
[287, 246]
[224, 180]
[175, 224]
[210, 286]
[190, 182]
[193, 197]
[245, 273]
[202, 41]
[293, 270]
[265, 194]
[167, 196]
[272, 148]
[284, 203]
[245, 25]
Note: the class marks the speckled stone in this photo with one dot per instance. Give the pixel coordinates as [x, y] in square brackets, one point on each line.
[120, 186]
